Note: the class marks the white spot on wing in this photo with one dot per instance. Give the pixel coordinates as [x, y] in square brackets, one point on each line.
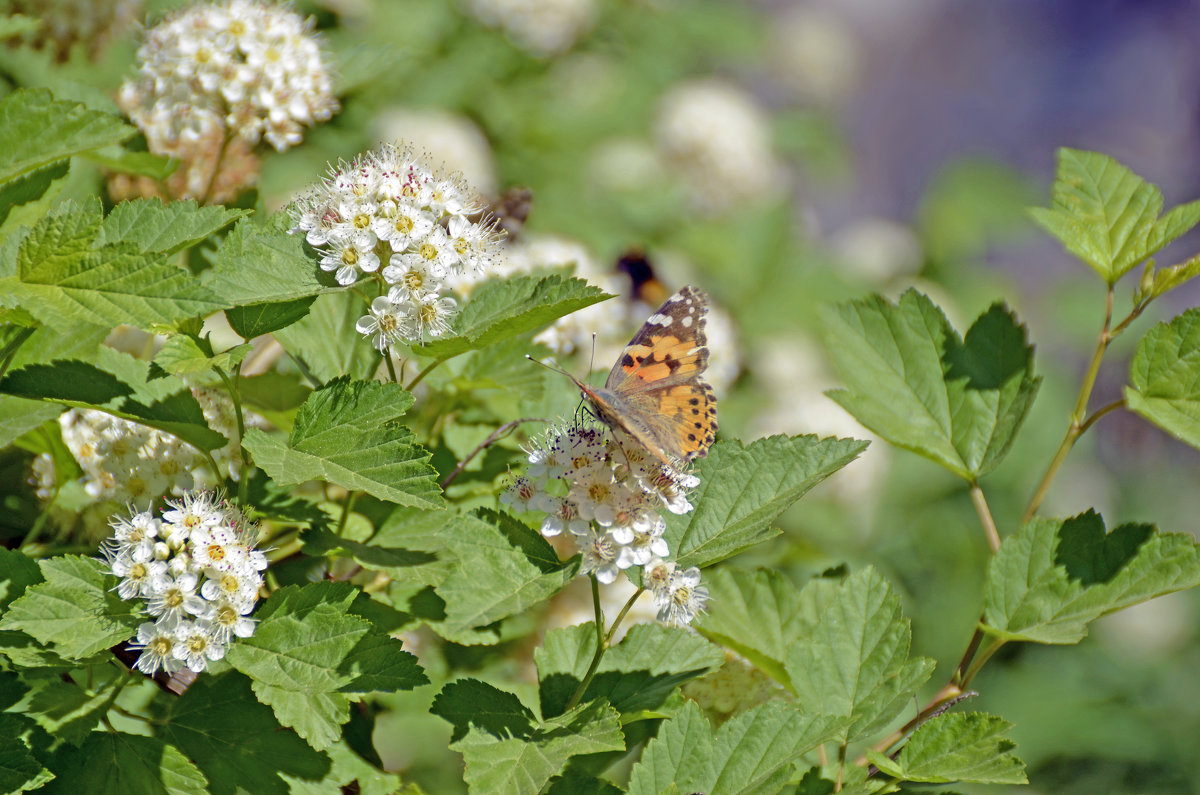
[659, 320]
[687, 321]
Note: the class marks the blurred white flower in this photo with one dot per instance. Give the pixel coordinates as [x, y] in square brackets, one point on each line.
[718, 140]
[452, 140]
[877, 249]
[540, 27]
[815, 53]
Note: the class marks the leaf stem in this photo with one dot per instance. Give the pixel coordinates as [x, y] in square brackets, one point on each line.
[1076, 427]
[212, 177]
[492, 438]
[1100, 412]
[985, 516]
[421, 375]
[387, 358]
[347, 507]
[247, 462]
[601, 647]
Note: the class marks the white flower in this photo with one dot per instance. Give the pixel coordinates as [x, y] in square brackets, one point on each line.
[226, 620]
[348, 258]
[214, 548]
[401, 225]
[600, 554]
[174, 598]
[157, 645]
[562, 515]
[138, 578]
[388, 321]
[237, 587]
[430, 314]
[134, 537]
[541, 27]
[196, 510]
[520, 494]
[412, 275]
[681, 597]
[196, 644]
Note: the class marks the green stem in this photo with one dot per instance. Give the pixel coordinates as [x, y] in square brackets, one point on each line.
[1100, 412]
[601, 647]
[421, 375]
[347, 506]
[982, 659]
[212, 177]
[985, 516]
[387, 357]
[1076, 427]
[247, 461]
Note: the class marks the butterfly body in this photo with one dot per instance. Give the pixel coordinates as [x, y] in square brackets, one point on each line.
[654, 392]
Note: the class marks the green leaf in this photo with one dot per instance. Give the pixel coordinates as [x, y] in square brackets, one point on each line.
[253, 320]
[913, 381]
[1164, 377]
[38, 130]
[156, 228]
[76, 609]
[126, 161]
[187, 354]
[119, 385]
[500, 568]
[743, 488]
[348, 433]
[19, 770]
[760, 617]
[1054, 576]
[118, 764]
[852, 658]
[236, 741]
[751, 753]
[957, 746]
[29, 187]
[469, 703]
[67, 711]
[508, 752]
[325, 341]
[639, 673]
[65, 275]
[1108, 216]
[17, 572]
[503, 308]
[260, 264]
[296, 655]
[18, 416]
[349, 773]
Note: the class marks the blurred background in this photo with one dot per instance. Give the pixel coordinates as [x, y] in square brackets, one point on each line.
[784, 155]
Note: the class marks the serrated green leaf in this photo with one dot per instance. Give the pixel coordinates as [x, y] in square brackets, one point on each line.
[259, 264]
[185, 354]
[639, 673]
[1167, 279]
[63, 275]
[236, 741]
[153, 227]
[325, 341]
[503, 308]
[317, 717]
[523, 765]
[114, 763]
[253, 320]
[75, 609]
[38, 130]
[913, 381]
[18, 416]
[853, 660]
[349, 773]
[757, 616]
[29, 187]
[67, 711]
[469, 703]
[120, 385]
[303, 635]
[743, 488]
[126, 161]
[751, 753]
[957, 746]
[1164, 377]
[19, 770]
[501, 567]
[1054, 576]
[1108, 216]
[17, 572]
[348, 433]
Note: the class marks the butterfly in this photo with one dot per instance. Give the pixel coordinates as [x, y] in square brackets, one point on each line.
[654, 393]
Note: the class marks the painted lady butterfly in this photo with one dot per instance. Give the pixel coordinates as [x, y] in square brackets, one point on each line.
[654, 392]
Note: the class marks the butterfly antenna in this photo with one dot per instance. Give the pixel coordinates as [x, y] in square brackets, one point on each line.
[592, 360]
[549, 367]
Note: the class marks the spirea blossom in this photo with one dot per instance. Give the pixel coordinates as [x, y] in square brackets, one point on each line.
[608, 493]
[389, 213]
[198, 570]
[540, 27]
[216, 78]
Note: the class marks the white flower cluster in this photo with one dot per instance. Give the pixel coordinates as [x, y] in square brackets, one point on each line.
[389, 209]
[540, 27]
[718, 140]
[245, 68]
[198, 571]
[608, 492]
[125, 461]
